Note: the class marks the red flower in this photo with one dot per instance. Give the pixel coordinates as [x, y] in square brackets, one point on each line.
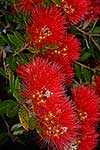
[58, 123]
[64, 64]
[24, 5]
[88, 140]
[75, 10]
[43, 90]
[47, 27]
[94, 10]
[41, 80]
[97, 85]
[69, 49]
[87, 105]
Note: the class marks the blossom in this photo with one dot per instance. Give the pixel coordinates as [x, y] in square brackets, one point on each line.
[65, 66]
[41, 80]
[70, 48]
[46, 27]
[75, 10]
[94, 10]
[24, 5]
[43, 95]
[58, 124]
[87, 105]
[88, 140]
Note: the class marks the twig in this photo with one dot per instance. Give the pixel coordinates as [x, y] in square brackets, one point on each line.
[22, 49]
[8, 128]
[95, 42]
[90, 36]
[84, 66]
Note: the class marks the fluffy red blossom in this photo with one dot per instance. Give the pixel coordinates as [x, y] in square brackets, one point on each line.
[75, 10]
[41, 80]
[46, 27]
[24, 5]
[58, 123]
[97, 85]
[94, 10]
[87, 105]
[65, 66]
[69, 49]
[88, 140]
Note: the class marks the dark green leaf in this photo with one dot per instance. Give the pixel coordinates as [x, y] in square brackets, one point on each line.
[96, 30]
[85, 56]
[47, 2]
[86, 74]
[52, 46]
[32, 123]
[15, 40]
[14, 85]
[78, 71]
[11, 60]
[8, 107]
[57, 2]
[2, 72]
[12, 110]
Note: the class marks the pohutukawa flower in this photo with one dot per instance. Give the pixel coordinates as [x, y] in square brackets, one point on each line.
[64, 63]
[94, 10]
[86, 103]
[24, 5]
[75, 10]
[58, 123]
[46, 27]
[42, 80]
[69, 49]
[88, 140]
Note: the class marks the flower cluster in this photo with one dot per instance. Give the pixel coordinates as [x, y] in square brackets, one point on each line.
[62, 122]
[66, 121]
[43, 88]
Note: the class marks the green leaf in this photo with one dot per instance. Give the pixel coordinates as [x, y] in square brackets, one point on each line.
[86, 74]
[14, 85]
[78, 71]
[16, 127]
[52, 46]
[11, 39]
[96, 30]
[16, 39]
[32, 123]
[8, 107]
[18, 132]
[19, 39]
[47, 2]
[57, 2]
[11, 60]
[2, 72]
[85, 56]
[39, 131]
[12, 110]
